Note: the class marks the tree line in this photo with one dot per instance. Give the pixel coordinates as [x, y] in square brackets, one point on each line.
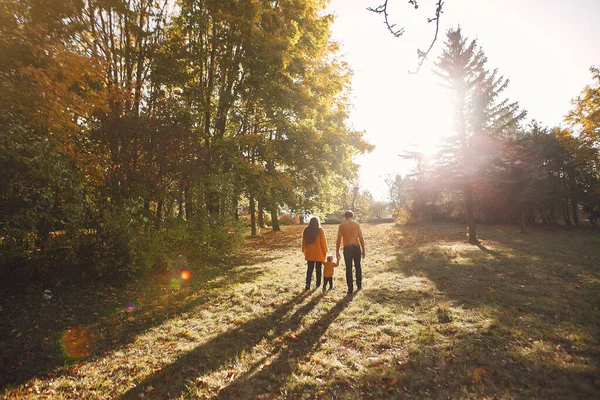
[494, 168]
[135, 132]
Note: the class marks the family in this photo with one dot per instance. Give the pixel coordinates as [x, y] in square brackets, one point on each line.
[314, 247]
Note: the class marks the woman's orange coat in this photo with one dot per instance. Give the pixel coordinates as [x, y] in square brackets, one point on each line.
[317, 250]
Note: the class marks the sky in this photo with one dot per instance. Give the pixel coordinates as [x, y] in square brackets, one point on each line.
[544, 47]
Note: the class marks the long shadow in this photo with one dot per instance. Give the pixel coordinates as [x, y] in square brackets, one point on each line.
[534, 285]
[223, 348]
[477, 364]
[488, 251]
[33, 327]
[270, 378]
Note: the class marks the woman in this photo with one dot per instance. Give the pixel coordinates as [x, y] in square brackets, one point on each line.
[314, 247]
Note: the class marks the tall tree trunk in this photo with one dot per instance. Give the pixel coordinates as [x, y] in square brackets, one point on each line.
[261, 214]
[552, 216]
[180, 204]
[472, 232]
[252, 217]
[189, 206]
[274, 216]
[544, 218]
[236, 202]
[523, 221]
[531, 217]
[566, 211]
[575, 208]
[159, 208]
[354, 195]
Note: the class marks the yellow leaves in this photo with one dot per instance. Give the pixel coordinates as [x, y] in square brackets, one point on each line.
[477, 374]
[231, 376]
[293, 337]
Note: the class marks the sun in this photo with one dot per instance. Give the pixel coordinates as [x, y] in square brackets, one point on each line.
[427, 121]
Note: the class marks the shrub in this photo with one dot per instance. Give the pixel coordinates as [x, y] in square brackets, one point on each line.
[404, 216]
[287, 219]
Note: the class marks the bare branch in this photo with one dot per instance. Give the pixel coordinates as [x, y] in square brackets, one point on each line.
[422, 55]
[382, 9]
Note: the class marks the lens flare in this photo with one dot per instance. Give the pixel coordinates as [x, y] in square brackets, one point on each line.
[77, 342]
[132, 305]
[185, 274]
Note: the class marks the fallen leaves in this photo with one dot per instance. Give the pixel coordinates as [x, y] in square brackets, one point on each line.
[477, 374]
[374, 361]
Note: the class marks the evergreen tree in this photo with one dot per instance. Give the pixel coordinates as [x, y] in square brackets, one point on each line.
[480, 122]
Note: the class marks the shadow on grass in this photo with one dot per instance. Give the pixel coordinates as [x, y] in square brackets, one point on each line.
[31, 336]
[488, 251]
[223, 348]
[483, 363]
[272, 378]
[537, 292]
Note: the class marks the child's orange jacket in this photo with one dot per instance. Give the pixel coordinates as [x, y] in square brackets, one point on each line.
[328, 268]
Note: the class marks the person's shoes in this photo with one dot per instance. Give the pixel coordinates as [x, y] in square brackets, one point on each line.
[306, 289]
[349, 292]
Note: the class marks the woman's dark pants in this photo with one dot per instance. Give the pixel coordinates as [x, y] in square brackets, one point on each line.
[309, 271]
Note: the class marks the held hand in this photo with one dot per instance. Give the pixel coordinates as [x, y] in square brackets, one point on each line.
[363, 254]
[337, 255]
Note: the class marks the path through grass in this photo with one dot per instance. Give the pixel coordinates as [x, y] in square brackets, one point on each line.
[516, 317]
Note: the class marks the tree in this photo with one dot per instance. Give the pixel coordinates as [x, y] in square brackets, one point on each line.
[480, 123]
[585, 115]
[585, 121]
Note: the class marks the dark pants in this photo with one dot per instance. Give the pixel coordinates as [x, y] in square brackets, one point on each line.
[328, 280]
[309, 271]
[353, 254]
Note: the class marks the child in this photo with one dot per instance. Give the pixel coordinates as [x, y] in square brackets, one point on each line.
[328, 267]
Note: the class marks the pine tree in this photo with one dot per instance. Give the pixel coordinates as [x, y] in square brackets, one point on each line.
[481, 121]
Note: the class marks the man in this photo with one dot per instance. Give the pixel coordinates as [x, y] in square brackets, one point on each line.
[350, 234]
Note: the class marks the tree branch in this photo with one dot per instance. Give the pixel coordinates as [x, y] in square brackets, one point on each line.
[382, 9]
[422, 55]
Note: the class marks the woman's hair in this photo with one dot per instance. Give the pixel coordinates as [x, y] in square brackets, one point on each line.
[312, 230]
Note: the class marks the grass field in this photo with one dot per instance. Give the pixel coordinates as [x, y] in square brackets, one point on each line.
[515, 318]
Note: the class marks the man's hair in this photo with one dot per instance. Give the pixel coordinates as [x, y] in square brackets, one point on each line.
[349, 214]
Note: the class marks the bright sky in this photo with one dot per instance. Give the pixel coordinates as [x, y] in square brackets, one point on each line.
[545, 48]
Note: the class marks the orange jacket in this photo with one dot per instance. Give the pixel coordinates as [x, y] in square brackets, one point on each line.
[349, 234]
[328, 268]
[317, 250]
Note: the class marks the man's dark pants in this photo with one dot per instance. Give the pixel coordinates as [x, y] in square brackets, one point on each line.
[353, 254]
